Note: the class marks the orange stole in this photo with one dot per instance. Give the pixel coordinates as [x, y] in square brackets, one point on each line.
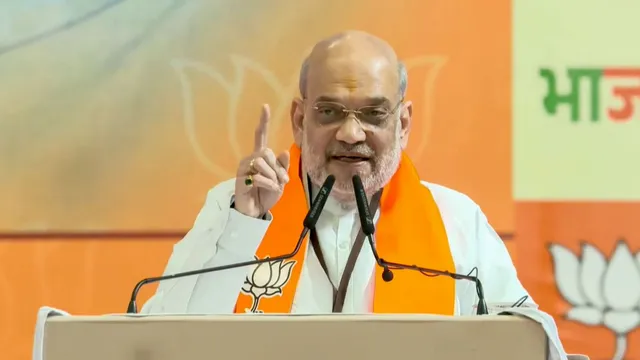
[409, 231]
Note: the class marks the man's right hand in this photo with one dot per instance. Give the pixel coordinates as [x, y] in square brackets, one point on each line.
[261, 177]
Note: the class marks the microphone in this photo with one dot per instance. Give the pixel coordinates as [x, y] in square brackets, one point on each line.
[366, 223]
[309, 223]
[368, 228]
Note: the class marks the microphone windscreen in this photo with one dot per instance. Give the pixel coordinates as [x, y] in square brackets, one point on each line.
[387, 274]
[318, 203]
[366, 221]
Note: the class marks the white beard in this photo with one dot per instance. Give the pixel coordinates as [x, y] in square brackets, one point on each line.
[384, 166]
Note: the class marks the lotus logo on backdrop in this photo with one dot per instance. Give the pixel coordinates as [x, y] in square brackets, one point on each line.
[233, 84]
[602, 292]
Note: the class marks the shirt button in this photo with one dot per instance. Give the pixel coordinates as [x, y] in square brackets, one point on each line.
[343, 246]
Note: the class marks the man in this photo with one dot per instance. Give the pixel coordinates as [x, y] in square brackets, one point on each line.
[352, 118]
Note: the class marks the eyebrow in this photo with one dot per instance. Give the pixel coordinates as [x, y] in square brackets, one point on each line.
[376, 100]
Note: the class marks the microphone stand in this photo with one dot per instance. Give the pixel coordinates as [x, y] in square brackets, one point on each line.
[368, 227]
[309, 223]
[132, 308]
[482, 304]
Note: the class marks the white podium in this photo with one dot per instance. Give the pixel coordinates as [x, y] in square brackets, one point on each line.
[312, 337]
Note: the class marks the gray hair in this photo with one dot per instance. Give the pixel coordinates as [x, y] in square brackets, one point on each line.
[304, 72]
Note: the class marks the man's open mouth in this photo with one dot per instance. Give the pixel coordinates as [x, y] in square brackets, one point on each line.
[350, 158]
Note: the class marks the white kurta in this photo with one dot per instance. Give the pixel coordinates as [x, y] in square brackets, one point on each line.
[222, 235]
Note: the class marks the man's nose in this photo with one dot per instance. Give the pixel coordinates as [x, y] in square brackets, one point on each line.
[351, 131]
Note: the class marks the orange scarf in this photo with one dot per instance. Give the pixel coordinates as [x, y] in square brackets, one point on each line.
[409, 231]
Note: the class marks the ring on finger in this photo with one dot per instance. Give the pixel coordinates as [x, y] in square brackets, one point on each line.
[252, 166]
[248, 181]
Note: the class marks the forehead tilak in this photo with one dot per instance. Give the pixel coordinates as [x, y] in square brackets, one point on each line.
[351, 83]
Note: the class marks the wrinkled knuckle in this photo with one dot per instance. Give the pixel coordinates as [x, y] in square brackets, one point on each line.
[268, 152]
[246, 161]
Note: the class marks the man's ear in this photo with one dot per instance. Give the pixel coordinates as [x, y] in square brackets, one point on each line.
[405, 123]
[297, 116]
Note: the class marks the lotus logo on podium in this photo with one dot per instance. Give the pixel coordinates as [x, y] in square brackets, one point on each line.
[601, 293]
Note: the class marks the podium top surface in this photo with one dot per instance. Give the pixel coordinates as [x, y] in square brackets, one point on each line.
[312, 337]
[119, 318]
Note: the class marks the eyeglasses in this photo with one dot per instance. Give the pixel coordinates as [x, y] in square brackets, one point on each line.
[330, 113]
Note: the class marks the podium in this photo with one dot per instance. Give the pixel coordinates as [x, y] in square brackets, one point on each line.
[300, 337]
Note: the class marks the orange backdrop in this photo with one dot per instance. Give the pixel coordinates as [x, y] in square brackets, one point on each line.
[116, 117]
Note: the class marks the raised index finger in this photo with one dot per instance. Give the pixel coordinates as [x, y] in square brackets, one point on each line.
[262, 129]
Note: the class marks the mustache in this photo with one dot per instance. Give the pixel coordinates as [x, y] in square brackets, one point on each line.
[360, 148]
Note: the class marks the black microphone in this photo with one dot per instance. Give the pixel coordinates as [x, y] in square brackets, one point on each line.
[366, 223]
[309, 223]
[368, 228]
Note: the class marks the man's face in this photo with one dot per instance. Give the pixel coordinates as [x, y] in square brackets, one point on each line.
[366, 139]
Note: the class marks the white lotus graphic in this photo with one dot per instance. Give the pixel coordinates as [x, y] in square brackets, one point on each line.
[234, 85]
[267, 280]
[601, 293]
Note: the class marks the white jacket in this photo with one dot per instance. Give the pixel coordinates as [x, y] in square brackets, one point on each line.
[221, 235]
